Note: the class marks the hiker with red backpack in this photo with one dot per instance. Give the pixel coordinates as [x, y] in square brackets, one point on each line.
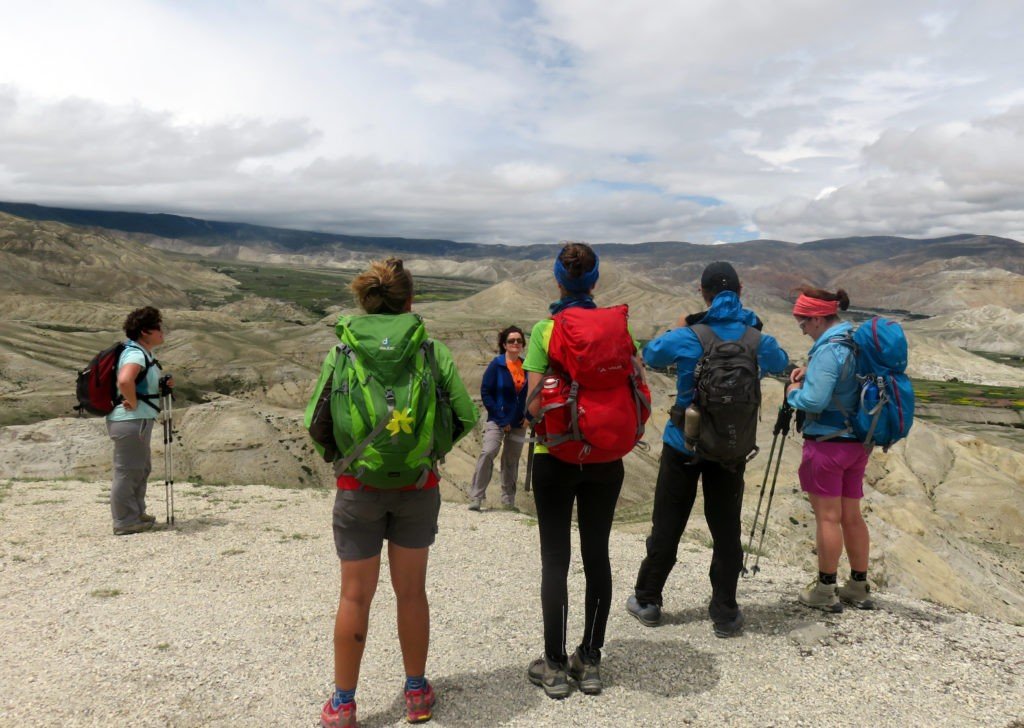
[388, 405]
[834, 457]
[130, 422]
[589, 403]
[720, 357]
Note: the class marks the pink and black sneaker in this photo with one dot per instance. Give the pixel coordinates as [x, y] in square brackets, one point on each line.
[343, 717]
[419, 704]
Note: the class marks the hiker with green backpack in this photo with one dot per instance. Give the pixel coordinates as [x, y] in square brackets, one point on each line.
[387, 407]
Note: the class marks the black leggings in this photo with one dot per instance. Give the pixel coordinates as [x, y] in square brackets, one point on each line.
[595, 489]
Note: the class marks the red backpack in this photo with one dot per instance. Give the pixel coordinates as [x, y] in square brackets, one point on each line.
[96, 386]
[594, 401]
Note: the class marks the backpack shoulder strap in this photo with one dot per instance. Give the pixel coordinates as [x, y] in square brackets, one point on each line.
[751, 338]
[706, 336]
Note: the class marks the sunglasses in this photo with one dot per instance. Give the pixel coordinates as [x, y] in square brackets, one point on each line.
[514, 340]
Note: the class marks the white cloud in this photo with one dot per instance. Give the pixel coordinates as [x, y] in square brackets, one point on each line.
[522, 121]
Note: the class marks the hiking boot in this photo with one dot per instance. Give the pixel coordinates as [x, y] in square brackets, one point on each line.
[134, 528]
[857, 593]
[474, 505]
[821, 596]
[147, 518]
[550, 676]
[419, 704]
[343, 717]
[586, 671]
[731, 628]
[509, 507]
[648, 615]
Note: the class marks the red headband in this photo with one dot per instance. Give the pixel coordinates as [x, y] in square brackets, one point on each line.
[807, 307]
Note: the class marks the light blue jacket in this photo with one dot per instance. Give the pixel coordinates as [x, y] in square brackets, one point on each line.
[828, 382]
[729, 320]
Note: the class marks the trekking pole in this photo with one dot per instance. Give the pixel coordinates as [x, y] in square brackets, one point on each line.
[529, 467]
[781, 426]
[167, 395]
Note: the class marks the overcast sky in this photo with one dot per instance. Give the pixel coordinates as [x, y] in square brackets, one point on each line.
[516, 122]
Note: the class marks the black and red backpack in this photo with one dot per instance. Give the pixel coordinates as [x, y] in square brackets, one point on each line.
[96, 386]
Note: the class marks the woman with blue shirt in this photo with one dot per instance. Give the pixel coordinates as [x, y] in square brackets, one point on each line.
[130, 425]
[503, 392]
[832, 469]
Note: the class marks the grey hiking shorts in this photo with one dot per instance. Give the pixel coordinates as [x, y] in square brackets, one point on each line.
[364, 518]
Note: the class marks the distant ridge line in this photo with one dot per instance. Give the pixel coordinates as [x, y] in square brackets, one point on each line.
[211, 233]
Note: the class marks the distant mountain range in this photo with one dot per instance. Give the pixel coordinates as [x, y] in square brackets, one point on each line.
[932, 276]
[207, 233]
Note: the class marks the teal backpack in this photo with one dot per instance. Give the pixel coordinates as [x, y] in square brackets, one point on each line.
[380, 411]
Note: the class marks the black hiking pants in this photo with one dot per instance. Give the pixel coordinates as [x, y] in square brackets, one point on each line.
[594, 488]
[674, 495]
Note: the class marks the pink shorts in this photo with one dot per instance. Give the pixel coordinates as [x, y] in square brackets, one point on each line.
[833, 469]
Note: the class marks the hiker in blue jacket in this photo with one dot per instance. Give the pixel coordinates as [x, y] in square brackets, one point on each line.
[832, 469]
[680, 468]
[503, 391]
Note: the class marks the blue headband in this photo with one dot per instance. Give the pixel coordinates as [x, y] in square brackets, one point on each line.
[577, 285]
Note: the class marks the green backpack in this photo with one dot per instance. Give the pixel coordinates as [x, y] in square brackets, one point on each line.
[383, 416]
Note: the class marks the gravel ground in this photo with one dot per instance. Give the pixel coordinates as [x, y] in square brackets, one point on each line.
[227, 617]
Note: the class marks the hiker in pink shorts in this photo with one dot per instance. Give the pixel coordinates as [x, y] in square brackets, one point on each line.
[832, 470]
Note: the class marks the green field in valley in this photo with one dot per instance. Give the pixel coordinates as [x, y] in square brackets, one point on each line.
[929, 391]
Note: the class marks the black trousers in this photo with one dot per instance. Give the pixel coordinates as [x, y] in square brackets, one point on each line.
[673, 500]
[594, 488]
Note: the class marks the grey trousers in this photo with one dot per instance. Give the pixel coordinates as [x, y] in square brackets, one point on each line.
[132, 465]
[493, 437]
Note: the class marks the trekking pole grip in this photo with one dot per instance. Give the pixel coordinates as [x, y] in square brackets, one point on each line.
[783, 420]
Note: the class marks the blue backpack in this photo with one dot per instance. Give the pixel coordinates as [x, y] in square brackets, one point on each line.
[885, 408]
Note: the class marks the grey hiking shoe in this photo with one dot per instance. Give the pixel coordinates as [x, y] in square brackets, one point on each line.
[820, 596]
[731, 628]
[474, 505]
[586, 671]
[857, 593]
[147, 518]
[134, 528]
[648, 615]
[549, 675]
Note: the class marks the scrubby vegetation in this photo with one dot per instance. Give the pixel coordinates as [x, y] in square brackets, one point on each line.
[929, 391]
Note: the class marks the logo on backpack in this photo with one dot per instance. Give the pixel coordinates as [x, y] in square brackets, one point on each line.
[380, 412]
[885, 404]
[726, 398]
[594, 401]
[96, 385]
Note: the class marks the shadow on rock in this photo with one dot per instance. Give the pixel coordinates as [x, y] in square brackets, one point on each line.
[777, 618]
[192, 525]
[669, 668]
[937, 615]
[473, 699]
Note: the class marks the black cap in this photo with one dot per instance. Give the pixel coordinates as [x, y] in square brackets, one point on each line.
[720, 276]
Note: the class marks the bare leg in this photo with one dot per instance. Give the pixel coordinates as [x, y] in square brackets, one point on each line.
[829, 536]
[358, 585]
[855, 534]
[409, 579]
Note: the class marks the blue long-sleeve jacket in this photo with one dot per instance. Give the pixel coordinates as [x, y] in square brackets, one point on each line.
[728, 319]
[504, 405]
[828, 378]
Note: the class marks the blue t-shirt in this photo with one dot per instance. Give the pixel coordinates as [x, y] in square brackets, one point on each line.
[134, 354]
